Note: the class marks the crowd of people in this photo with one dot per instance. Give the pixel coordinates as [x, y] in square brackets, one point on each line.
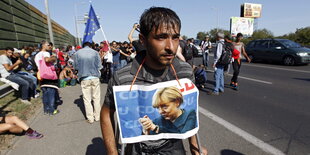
[158, 44]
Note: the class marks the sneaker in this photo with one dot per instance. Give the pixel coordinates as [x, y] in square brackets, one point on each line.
[214, 93]
[55, 112]
[235, 87]
[90, 121]
[34, 135]
[37, 95]
[26, 102]
[97, 120]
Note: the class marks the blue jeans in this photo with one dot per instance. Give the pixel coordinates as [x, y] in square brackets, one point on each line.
[50, 96]
[34, 79]
[114, 67]
[123, 63]
[219, 79]
[25, 83]
[205, 58]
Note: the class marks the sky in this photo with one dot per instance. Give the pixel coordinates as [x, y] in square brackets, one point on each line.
[118, 16]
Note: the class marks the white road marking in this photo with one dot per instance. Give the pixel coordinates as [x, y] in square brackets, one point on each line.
[248, 137]
[242, 77]
[278, 68]
[256, 80]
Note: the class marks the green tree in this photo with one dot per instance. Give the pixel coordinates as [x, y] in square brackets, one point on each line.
[213, 32]
[184, 37]
[201, 35]
[262, 34]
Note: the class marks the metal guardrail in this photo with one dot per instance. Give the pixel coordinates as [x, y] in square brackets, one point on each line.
[5, 89]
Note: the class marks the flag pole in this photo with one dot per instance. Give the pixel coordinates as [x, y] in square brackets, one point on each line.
[105, 38]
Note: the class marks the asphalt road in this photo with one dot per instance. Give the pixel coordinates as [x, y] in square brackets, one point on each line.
[272, 104]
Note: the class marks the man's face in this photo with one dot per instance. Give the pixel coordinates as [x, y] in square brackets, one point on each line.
[46, 46]
[114, 44]
[161, 45]
[9, 53]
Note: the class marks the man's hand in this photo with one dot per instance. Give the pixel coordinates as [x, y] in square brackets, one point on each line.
[213, 65]
[19, 61]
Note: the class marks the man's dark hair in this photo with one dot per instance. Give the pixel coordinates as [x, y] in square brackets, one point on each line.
[9, 48]
[87, 44]
[239, 35]
[153, 17]
[51, 44]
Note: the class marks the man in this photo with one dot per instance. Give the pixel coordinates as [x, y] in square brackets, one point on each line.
[237, 60]
[116, 57]
[88, 64]
[25, 83]
[124, 54]
[17, 56]
[205, 46]
[49, 87]
[219, 69]
[159, 33]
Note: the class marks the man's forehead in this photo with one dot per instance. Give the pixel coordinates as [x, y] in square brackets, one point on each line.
[167, 28]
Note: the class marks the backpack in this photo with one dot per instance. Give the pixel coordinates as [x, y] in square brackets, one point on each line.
[195, 50]
[187, 51]
[226, 56]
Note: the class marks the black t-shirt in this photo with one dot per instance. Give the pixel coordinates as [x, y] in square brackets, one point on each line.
[138, 46]
[124, 50]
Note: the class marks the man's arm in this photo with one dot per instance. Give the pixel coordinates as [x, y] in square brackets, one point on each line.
[11, 67]
[131, 33]
[194, 146]
[245, 54]
[106, 117]
[50, 59]
[218, 53]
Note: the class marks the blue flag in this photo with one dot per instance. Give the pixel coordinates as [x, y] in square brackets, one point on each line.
[92, 26]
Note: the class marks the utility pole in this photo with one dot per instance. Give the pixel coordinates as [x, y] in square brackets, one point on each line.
[50, 30]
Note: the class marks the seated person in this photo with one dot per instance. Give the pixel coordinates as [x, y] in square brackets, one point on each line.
[27, 64]
[26, 84]
[67, 76]
[200, 76]
[173, 119]
[14, 125]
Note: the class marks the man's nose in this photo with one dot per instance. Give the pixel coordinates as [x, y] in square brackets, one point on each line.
[169, 43]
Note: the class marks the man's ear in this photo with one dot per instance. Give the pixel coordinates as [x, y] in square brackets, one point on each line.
[142, 39]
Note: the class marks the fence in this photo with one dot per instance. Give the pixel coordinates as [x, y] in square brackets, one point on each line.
[22, 24]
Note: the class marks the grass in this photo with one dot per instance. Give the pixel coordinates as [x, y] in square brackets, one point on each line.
[11, 105]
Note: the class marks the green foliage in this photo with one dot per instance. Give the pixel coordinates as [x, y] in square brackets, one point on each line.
[301, 36]
[184, 37]
[201, 35]
[262, 34]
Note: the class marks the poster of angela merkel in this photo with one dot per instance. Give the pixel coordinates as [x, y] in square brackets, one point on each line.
[163, 110]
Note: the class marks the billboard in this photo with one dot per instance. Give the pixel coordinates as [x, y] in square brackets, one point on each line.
[159, 111]
[241, 25]
[251, 10]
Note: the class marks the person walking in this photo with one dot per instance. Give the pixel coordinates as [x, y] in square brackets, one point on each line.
[218, 68]
[88, 64]
[205, 46]
[236, 64]
[159, 33]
